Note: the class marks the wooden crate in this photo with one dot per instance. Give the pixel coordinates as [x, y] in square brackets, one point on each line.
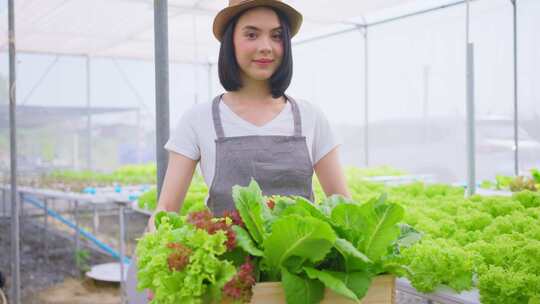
[381, 291]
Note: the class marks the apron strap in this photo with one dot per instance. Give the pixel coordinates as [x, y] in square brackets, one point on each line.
[296, 116]
[218, 126]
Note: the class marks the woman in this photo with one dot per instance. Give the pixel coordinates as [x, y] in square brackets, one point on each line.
[253, 130]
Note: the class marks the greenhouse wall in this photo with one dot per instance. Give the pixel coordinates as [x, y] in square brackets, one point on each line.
[529, 73]
[415, 101]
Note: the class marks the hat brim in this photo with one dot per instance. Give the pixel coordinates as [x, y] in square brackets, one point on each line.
[224, 16]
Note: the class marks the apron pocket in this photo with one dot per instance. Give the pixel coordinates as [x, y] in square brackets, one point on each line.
[283, 179]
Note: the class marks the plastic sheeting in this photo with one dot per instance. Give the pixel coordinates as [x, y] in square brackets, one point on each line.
[124, 28]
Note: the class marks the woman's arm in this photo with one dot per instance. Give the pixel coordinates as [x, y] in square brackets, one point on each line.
[175, 185]
[330, 174]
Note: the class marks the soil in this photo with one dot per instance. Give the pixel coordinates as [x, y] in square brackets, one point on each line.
[38, 269]
[52, 275]
[85, 291]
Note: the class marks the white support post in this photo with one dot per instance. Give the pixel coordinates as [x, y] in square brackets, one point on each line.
[471, 159]
[516, 109]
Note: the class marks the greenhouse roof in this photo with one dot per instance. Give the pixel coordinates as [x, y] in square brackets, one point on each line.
[125, 28]
[36, 116]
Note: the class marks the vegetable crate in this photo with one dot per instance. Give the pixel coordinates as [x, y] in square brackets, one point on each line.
[381, 291]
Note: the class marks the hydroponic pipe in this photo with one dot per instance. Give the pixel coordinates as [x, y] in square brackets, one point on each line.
[37, 203]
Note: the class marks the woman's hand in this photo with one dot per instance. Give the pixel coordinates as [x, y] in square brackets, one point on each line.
[175, 185]
[151, 227]
[179, 173]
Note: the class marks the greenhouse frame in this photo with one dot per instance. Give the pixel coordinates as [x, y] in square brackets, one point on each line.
[110, 33]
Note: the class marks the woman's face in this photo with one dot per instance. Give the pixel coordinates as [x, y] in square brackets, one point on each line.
[258, 44]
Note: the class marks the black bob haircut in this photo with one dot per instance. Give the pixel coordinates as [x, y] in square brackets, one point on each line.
[229, 71]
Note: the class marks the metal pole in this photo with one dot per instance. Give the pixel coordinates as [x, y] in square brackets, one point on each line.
[95, 220]
[139, 137]
[471, 174]
[516, 114]
[75, 151]
[366, 97]
[21, 212]
[77, 231]
[122, 254]
[45, 230]
[161, 46]
[4, 203]
[89, 117]
[425, 106]
[15, 244]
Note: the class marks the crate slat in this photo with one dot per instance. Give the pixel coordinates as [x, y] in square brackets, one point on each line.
[381, 291]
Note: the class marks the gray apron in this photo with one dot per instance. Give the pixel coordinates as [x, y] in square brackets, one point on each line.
[280, 164]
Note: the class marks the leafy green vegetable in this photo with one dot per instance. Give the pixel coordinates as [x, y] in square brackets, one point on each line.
[381, 228]
[503, 182]
[349, 251]
[408, 236]
[358, 282]
[487, 184]
[436, 262]
[528, 198]
[194, 200]
[315, 245]
[245, 242]
[535, 173]
[78, 180]
[443, 238]
[187, 276]
[350, 219]
[502, 286]
[294, 236]
[330, 281]
[301, 290]
[148, 200]
[515, 184]
[249, 202]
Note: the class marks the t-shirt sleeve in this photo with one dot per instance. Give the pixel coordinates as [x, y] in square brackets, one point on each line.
[183, 139]
[324, 137]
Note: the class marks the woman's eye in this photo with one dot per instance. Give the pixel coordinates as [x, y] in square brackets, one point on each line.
[251, 35]
[277, 36]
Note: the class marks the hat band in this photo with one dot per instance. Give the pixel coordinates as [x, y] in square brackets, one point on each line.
[238, 2]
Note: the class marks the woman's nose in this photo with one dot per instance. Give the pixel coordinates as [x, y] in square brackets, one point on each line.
[265, 45]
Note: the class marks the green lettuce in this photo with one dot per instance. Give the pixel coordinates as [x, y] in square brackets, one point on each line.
[203, 277]
[338, 244]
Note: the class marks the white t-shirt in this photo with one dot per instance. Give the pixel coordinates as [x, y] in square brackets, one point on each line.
[194, 135]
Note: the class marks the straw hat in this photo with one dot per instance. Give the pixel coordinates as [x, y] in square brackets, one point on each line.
[237, 6]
